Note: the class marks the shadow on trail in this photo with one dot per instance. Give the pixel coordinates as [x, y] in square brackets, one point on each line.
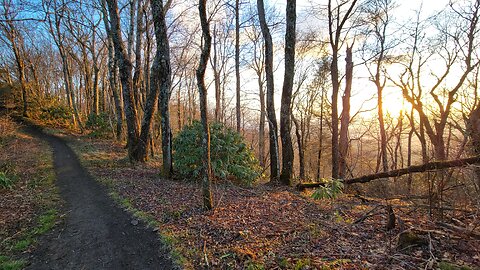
[96, 234]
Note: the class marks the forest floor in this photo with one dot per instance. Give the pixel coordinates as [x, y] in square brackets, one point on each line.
[263, 227]
[29, 200]
[271, 227]
[94, 233]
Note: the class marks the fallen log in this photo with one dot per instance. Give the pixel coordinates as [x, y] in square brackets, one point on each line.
[436, 165]
[303, 186]
[458, 229]
[430, 166]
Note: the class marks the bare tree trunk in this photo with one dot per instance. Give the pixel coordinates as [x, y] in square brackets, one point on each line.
[137, 74]
[320, 142]
[383, 135]
[345, 118]
[131, 29]
[13, 36]
[125, 70]
[301, 149]
[207, 43]
[272, 119]
[162, 59]
[409, 161]
[286, 108]
[261, 132]
[335, 26]
[334, 120]
[237, 65]
[112, 71]
[474, 128]
[216, 77]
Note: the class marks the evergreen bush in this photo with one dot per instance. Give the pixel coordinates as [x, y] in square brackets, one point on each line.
[230, 155]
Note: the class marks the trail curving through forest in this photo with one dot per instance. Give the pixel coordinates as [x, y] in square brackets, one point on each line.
[95, 234]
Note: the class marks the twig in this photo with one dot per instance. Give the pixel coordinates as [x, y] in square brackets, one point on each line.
[367, 215]
[205, 253]
[431, 261]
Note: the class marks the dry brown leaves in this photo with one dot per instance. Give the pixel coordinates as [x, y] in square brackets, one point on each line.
[273, 226]
[19, 205]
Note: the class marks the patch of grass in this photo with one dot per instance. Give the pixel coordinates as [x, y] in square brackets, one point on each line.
[46, 222]
[336, 264]
[172, 215]
[451, 266]
[149, 219]
[6, 182]
[283, 263]
[7, 263]
[170, 243]
[251, 265]
[22, 245]
[302, 264]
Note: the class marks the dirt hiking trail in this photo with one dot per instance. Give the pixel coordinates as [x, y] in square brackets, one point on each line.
[95, 234]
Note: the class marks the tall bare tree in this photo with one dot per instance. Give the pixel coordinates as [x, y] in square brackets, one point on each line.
[336, 24]
[272, 119]
[286, 108]
[237, 63]
[345, 116]
[15, 39]
[125, 71]
[207, 43]
[377, 21]
[161, 78]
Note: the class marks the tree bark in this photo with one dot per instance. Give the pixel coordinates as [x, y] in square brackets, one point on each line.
[137, 74]
[272, 119]
[436, 165]
[125, 70]
[237, 64]
[113, 82]
[261, 131]
[162, 60]
[345, 119]
[474, 128]
[335, 26]
[286, 108]
[301, 149]
[320, 142]
[207, 43]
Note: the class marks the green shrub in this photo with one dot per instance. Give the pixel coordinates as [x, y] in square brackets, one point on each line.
[56, 112]
[99, 124]
[331, 189]
[230, 155]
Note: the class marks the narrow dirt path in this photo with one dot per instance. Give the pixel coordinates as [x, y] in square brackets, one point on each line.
[96, 234]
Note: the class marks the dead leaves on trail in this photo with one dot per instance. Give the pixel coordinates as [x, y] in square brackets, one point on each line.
[273, 227]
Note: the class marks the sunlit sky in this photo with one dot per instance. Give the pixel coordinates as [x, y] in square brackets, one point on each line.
[363, 89]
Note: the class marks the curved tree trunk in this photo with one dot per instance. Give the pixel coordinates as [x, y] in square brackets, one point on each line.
[272, 119]
[207, 43]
